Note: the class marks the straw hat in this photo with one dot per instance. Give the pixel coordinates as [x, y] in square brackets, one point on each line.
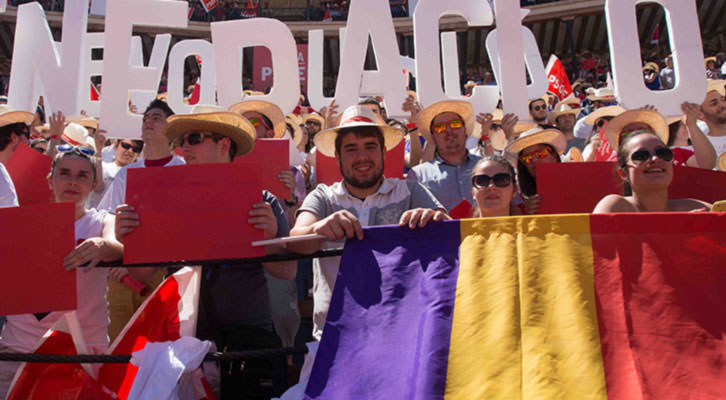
[652, 67]
[609, 111]
[573, 102]
[521, 127]
[573, 155]
[315, 116]
[294, 121]
[469, 84]
[356, 117]
[216, 120]
[717, 85]
[535, 136]
[602, 94]
[561, 109]
[77, 135]
[707, 60]
[462, 108]
[722, 162]
[652, 119]
[269, 110]
[87, 122]
[9, 116]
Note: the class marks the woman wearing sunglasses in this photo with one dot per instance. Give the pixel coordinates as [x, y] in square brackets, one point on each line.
[493, 187]
[71, 179]
[534, 147]
[645, 164]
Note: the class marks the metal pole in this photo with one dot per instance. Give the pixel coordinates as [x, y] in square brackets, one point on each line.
[569, 22]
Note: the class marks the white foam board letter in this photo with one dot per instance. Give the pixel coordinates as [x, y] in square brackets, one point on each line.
[315, 70]
[428, 52]
[92, 69]
[36, 59]
[685, 41]
[230, 37]
[120, 78]
[371, 18]
[532, 59]
[175, 78]
[157, 59]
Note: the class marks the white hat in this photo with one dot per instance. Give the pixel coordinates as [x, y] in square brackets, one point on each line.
[77, 135]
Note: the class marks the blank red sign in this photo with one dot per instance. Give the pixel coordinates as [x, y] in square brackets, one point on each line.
[192, 213]
[698, 183]
[328, 171]
[265, 161]
[33, 242]
[570, 188]
[29, 171]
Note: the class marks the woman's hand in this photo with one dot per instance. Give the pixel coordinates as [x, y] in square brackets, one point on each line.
[90, 251]
[531, 204]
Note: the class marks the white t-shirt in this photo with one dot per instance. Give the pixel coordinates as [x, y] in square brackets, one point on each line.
[109, 172]
[116, 194]
[8, 197]
[718, 142]
[22, 332]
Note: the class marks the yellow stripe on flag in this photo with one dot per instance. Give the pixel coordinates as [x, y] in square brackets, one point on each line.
[525, 323]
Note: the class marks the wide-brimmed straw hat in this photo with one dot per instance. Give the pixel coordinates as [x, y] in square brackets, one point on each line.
[561, 109]
[708, 60]
[77, 135]
[535, 136]
[269, 110]
[9, 116]
[357, 117]
[651, 66]
[602, 94]
[652, 119]
[609, 111]
[314, 116]
[722, 162]
[461, 108]
[216, 120]
[573, 102]
[87, 122]
[717, 85]
[294, 122]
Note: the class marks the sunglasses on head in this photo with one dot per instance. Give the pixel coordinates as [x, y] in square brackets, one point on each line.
[500, 180]
[453, 124]
[64, 148]
[195, 138]
[127, 146]
[527, 159]
[641, 156]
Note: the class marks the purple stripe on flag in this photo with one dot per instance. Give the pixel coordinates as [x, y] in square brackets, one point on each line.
[389, 324]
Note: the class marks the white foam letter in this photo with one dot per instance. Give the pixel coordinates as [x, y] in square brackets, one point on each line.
[175, 80]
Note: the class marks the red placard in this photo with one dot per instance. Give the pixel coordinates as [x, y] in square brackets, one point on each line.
[33, 242]
[570, 188]
[462, 210]
[697, 183]
[263, 75]
[29, 171]
[328, 171]
[267, 160]
[192, 213]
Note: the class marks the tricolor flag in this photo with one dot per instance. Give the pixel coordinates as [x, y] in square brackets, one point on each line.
[625, 306]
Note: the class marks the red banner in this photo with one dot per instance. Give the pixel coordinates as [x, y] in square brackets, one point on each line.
[33, 242]
[263, 74]
[209, 5]
[192, 212]
[557, 76]
[328, 171]
[29, 171]
[268, 159]
[570, 188]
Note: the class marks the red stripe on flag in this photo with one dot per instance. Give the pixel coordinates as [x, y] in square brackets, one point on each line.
[659, 283]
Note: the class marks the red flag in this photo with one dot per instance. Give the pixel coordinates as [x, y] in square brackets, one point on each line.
[168, 314]
[209, 5]
[605, 152]
[655, 37]
[44, 381]
[95, 95]
[194, 98]
[557, 76]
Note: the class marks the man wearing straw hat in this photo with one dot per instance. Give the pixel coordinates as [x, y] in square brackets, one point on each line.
[448, 175]
[563, 117]
[363, 198]
[234, 306]
[13, 131]
[600, 98]
[713, 123]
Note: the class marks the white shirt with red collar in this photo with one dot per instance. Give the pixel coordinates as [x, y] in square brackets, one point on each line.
[22, 332]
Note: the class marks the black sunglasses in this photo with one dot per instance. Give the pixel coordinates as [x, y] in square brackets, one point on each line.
[126, 146]
[500, 180]
[641, 156]
[195, 138]
[537, 108]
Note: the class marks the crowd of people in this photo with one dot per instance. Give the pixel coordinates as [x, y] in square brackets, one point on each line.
[485, 164]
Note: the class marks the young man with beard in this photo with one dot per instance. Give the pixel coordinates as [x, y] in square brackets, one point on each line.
[538, 112]
[234, 306]
[363, 198]
[714, 115]
[564, 117]
[448, 175]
